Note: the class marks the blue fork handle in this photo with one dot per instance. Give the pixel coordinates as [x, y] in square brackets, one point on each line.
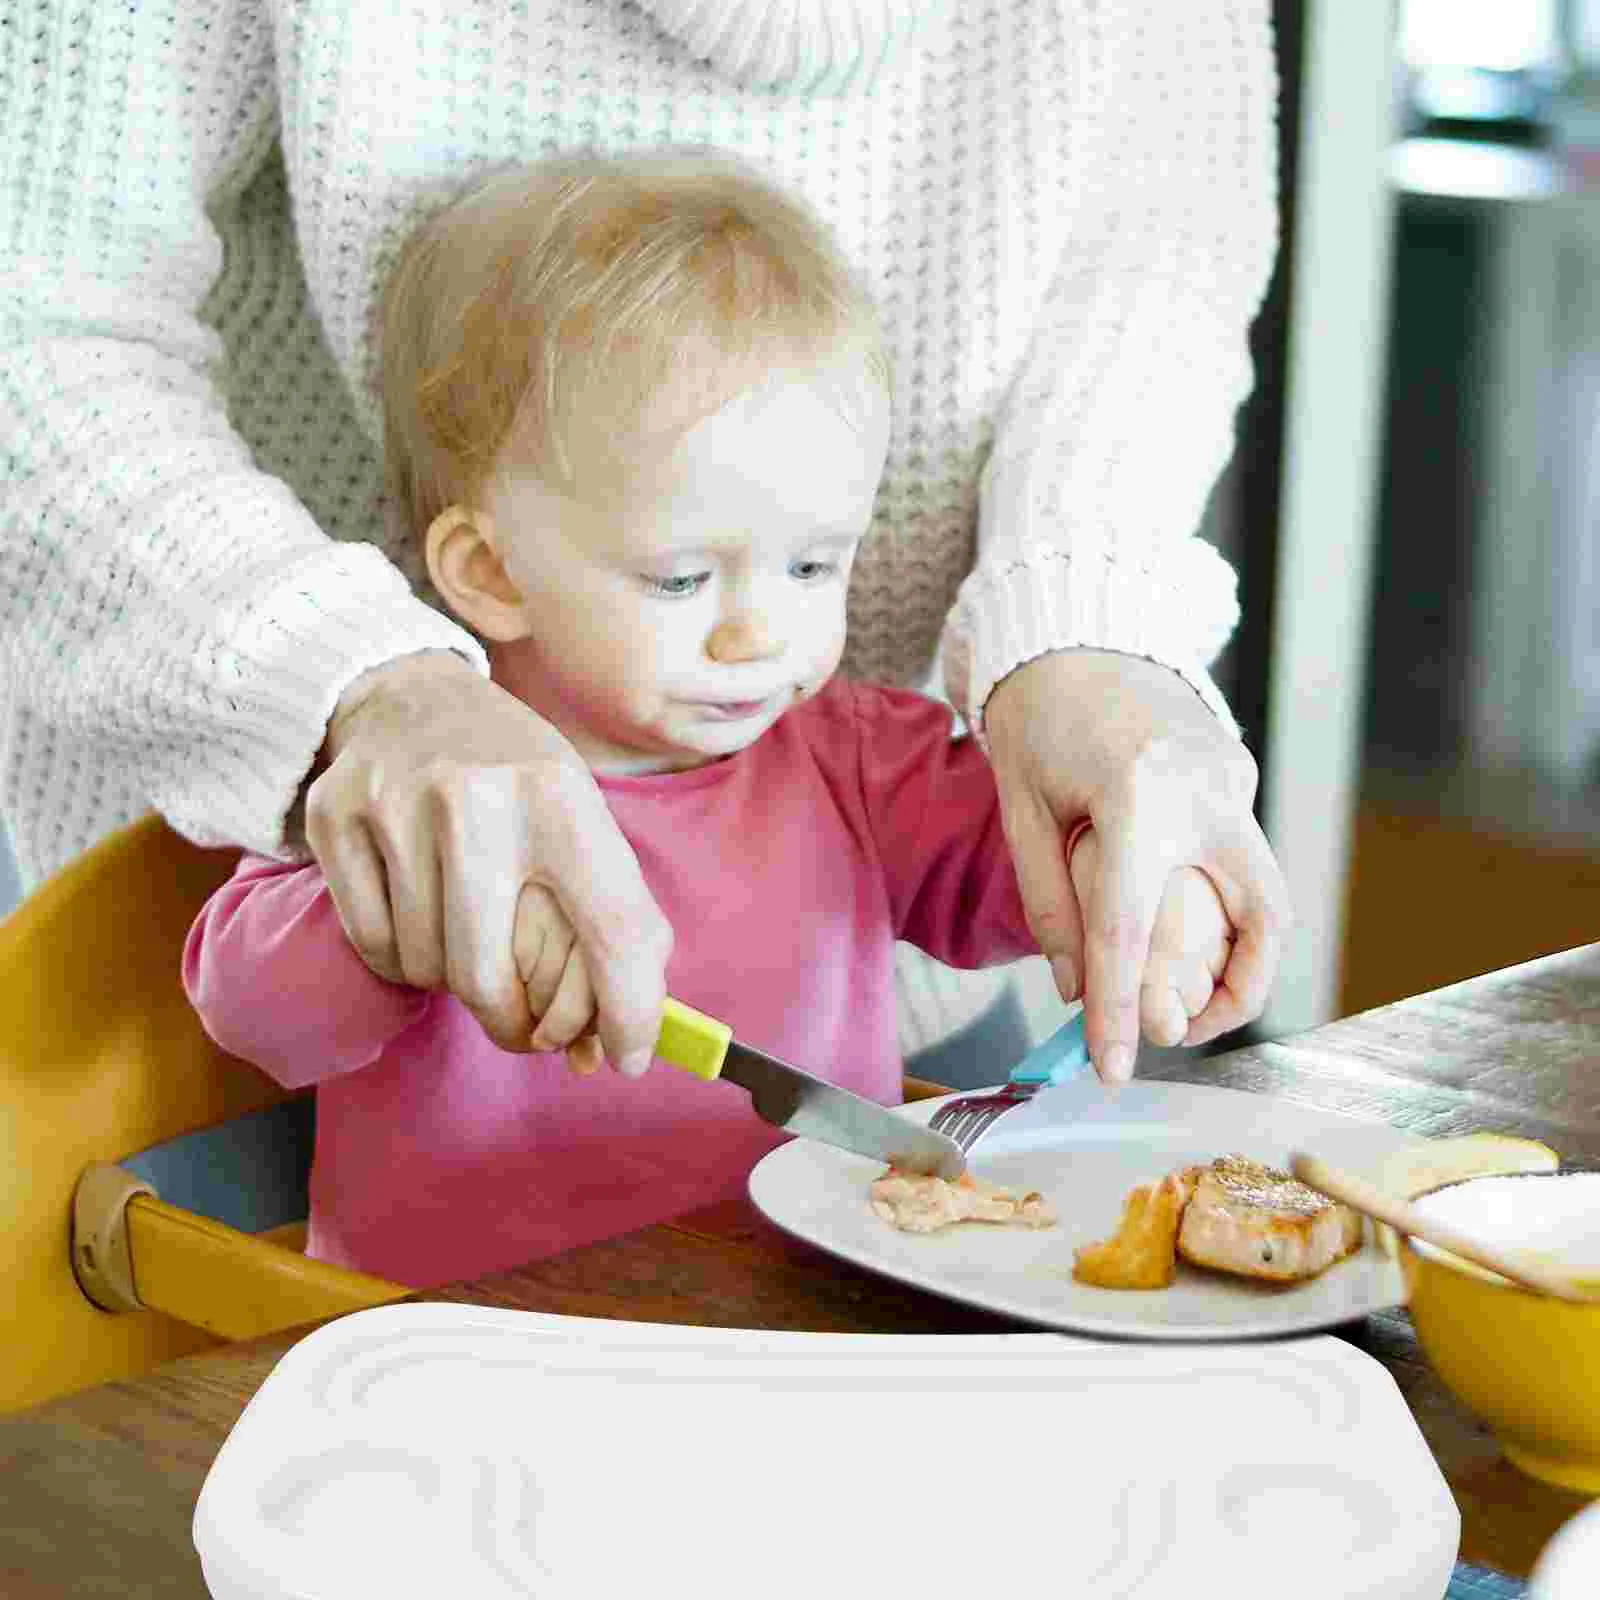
[1065, 1054]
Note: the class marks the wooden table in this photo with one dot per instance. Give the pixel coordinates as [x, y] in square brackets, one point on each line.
[97, 1490]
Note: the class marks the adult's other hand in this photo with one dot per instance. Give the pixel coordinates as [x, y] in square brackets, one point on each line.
[443, 795]
[1127, 743]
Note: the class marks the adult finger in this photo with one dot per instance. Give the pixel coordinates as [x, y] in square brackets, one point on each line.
[1256, 898]
[1118, 922]
[625, 940]
[1039, 857]
[353, 868]
[408, 838]
[480, 920]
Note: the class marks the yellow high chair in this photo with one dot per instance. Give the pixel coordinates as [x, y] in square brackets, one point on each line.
[101, 1058]
[106, 1081]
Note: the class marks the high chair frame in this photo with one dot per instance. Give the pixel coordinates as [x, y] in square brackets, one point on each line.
[104, 1063]
[103, 1058]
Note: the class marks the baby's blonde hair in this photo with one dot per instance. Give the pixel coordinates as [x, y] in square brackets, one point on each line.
[573, 293]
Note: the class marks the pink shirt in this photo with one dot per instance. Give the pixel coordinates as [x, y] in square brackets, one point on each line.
[787, 872]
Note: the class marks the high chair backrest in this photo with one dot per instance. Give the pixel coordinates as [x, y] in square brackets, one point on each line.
[101, 1056]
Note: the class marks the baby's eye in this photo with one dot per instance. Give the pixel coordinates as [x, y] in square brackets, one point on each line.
[812, 571]
[679, 586]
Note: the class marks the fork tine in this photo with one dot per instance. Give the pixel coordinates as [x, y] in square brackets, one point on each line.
[961, 1126]
[971, 1126]
[991, 1115]
[972, 1121]
[964, 1120]
[958, 1114]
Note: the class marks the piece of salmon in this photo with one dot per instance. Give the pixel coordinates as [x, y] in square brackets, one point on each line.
[915, 1203]
[1142, 1253]
[1258, 1222]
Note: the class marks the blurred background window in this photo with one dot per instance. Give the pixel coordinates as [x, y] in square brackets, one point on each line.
[1477, 839]
[1497, 35]
[1483, 69]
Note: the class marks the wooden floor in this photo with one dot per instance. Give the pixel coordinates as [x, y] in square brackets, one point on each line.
[1436, 898]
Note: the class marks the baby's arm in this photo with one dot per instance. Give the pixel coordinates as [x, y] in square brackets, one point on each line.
[276, 982]
[1189, 945]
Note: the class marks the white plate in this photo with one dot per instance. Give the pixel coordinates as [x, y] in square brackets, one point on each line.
[1085, 1149]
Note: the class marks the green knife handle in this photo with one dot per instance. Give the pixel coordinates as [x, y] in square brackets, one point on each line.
[691, 1040]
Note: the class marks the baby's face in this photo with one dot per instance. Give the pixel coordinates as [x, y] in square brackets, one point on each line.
[686, 596]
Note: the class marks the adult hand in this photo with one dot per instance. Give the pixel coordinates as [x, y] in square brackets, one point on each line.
[1189, 944]
[442, 796]
[1130, 745]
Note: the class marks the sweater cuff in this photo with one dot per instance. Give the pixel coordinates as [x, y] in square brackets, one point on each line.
[290, 663]
[1012, 614]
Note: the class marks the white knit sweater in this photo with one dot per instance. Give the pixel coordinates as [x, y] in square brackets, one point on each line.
[1066, 209]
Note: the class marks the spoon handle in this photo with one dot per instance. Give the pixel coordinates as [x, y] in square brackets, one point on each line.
[1402, 1215]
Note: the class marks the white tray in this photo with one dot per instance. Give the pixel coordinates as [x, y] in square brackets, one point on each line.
[475, 1454]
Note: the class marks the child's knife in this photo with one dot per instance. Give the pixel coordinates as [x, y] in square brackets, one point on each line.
[799, 1103]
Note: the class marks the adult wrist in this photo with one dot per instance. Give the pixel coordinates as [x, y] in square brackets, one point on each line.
[1160, 673]
[1152, 661]
[395, 676]
[1095, 650]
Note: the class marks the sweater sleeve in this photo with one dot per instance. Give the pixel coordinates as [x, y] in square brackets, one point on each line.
[934, 815]
[276, 982]
[173, 624]
[1112, 435]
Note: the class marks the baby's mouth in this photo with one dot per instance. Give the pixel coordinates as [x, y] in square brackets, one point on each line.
[731, 710]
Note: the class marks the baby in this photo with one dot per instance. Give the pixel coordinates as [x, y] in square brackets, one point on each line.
[636, 412]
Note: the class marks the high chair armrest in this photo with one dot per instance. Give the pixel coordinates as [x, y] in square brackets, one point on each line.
[133, 1252]
[233, 1284]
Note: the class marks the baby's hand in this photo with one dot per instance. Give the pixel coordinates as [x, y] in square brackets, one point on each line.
[1189, 946]
[552, 969]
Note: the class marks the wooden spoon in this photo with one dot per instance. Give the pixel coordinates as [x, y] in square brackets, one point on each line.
[1406, 1218]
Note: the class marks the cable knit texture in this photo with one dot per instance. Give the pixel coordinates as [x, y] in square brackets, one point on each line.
[805, 46]
[1064, 207]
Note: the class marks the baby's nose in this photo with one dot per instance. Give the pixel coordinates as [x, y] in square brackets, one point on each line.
[746, 637]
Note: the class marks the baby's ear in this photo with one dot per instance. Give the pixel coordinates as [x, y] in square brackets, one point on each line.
[471, 579]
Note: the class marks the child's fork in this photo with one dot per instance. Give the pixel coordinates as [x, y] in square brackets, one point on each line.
[1063, 1055]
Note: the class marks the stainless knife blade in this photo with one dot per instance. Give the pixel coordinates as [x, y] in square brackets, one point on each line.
[802, 1104]
[799, 1103]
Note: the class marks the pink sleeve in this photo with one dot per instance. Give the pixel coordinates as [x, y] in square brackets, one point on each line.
[935, 816]
[275, 980]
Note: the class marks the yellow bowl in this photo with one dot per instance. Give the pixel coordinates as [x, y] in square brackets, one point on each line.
[1525, 1364]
